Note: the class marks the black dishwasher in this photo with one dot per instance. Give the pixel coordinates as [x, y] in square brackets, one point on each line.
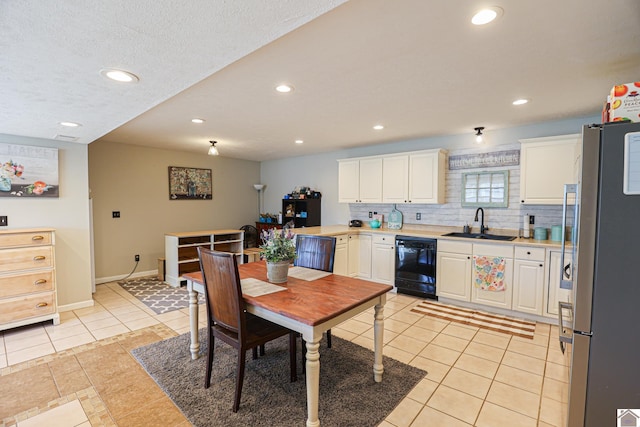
[416, 266]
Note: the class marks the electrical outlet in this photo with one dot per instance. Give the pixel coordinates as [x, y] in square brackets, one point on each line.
[418, 216]
[532, 219]
[115, 214]
[370, 214]
[4, 221]
[137, 258]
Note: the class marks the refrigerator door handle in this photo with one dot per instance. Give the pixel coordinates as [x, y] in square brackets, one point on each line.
[564, 335]
[566, 276]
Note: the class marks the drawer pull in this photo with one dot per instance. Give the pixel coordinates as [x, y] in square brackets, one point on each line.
[37, 238]
[40, 282]
[39, 257]
[41, 305]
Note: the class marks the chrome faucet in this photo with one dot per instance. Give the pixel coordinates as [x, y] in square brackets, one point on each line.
[482, 227]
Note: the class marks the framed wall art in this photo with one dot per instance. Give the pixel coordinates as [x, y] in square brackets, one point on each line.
[28, 171]
[189, 183]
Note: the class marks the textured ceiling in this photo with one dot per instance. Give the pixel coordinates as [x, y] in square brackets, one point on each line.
[418, 67]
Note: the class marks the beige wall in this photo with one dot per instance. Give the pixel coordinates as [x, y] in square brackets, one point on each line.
[134, 180]
[68, 214]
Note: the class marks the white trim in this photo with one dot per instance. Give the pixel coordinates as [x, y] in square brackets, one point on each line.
[75, 305]
[100, 280]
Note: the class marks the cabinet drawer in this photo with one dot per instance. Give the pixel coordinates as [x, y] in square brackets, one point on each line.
[382, 239]
[25, 239]
[454, 247]
[529, 253]
[26, 283]
[341, 239]
[26, 258]
[18, 308]
[493, 250]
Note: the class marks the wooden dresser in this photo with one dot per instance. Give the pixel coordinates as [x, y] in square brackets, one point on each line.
[27, 277]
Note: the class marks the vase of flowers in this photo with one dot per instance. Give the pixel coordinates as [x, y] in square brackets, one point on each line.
[8, 170]
[279, 250]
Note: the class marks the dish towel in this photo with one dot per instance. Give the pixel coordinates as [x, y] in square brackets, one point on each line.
[488, 273]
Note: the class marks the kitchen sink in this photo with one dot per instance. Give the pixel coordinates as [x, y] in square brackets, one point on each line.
[479, 236]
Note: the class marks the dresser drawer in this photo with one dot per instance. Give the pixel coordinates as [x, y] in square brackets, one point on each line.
[14, 285]
[25, 239]
[26, 258]
[40, 304]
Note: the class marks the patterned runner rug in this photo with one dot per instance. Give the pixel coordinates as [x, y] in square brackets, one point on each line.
[157, 295]
[480, 319]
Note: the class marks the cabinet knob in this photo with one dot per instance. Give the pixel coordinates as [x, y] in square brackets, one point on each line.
[39, 258]
[468, 257]
[528, 253]
[541, 265]
[40, 282]
[41, 305]
[37, 238]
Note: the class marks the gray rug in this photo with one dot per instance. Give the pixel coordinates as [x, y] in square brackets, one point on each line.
[157, 295]
[348, 394]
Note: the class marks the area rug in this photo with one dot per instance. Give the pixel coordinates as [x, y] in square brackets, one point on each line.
[348, 394]
[480, 319]
[157, 295]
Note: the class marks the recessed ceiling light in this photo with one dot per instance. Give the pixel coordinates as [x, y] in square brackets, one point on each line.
[520, 101]
[119, 75]
[487, 15]
[284, 88]
[378, 127]
[299, 141]
[197, 121]
[70, 124]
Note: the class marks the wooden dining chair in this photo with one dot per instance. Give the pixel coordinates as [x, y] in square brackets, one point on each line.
[318, 253]
[228, 320]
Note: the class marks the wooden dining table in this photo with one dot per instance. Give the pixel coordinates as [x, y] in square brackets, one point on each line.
[309, 307]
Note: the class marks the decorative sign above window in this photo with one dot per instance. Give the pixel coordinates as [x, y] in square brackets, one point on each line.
[485, 189]
[485, 160]
[27, 171]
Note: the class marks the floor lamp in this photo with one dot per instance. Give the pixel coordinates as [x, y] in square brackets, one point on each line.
[258, 188]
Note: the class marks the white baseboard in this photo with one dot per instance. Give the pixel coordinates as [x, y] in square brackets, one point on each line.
[100, 280]
[75, 306]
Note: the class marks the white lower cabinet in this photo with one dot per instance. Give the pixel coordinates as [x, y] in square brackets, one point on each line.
[341, 258]
[383, 258]
[353, 263]
[553, 292]
[364, 255]
[500, 299]
[453, 271]
[528, 279]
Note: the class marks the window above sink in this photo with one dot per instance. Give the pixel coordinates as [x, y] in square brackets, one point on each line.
[485, 189]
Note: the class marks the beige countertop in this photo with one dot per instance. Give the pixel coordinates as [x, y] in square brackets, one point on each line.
[428, 231]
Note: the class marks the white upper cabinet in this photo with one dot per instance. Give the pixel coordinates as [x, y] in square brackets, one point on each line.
[360, 180]
[417, 177]
[546, 165]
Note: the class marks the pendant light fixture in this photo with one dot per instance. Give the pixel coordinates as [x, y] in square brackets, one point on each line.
[479, 136]
[213, 151]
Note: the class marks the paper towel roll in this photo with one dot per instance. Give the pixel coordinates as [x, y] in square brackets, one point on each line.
[525, 227]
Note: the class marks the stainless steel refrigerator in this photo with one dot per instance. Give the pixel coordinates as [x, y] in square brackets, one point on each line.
[604, 277]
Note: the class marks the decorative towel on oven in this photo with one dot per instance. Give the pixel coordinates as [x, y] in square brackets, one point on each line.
[488, 273]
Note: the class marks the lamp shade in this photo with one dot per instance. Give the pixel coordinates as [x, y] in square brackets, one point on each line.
[258, 186]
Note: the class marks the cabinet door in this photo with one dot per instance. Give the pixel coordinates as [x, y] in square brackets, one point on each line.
[426, 177]
[395, 185]
[528, 282]
[554, 293]
[453, 276]
[371, 180]
[364, 265]
[546, 164]
[341, 259]
[353, 259]
[383, 260]
[348, 181]
[501, 299]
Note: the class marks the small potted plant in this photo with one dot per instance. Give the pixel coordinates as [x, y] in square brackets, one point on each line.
[279, 250]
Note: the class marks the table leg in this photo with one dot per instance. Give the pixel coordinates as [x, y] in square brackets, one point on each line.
[378, 331]
[193, 322]
[313, 382]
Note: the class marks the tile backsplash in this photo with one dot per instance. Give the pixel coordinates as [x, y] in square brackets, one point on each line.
[452, 214]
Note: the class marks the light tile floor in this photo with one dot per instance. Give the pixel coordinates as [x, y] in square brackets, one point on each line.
[474, 377]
